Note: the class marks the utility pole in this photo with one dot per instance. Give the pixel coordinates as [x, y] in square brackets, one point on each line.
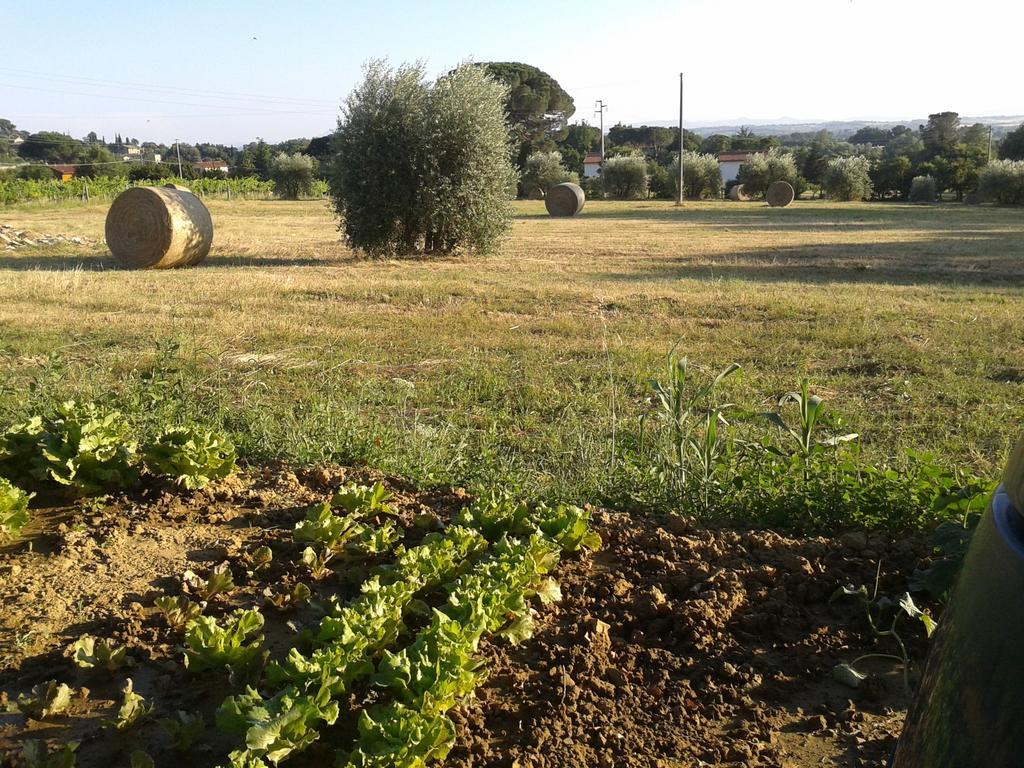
[600, 110]
[679, 194]
[177, 151]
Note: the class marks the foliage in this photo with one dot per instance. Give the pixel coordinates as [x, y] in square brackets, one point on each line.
[86, 448]
[133, 711]
[759, 171]
[36, 754]
[397, 736]
[537, 107]
[13, 509]
[701, 176]
[1012, 146]
[102, 654]
[45, 699]
[178, 611]
[184, 729]
[235, 645]
[922, 190]
[847, 178]
[625, 177]
[50, 147]
[193, 457]
[892, 177]
[879, 610]
[421, 168]
[544, 170]
[218, 582]
[1002, 181]
[293, 175]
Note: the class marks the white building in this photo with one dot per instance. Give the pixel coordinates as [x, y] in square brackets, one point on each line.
[592, 165]
[729, 163]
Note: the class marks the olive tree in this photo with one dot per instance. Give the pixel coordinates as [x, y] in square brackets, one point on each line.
[1002, 181]
[423, 168]
[293, 175]
[625, 177]
[543, 170]
[922, 190]
[701, 176]
[759, 171]
[847, 178]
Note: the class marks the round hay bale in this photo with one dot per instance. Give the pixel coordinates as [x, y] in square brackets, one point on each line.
[565, 199]
[179, 187]
[780, 194]
[736, 193]
[158, 228]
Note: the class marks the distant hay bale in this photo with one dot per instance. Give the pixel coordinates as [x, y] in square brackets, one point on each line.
[565, 199]
[780, 194]
[158, 228]
[736, 193]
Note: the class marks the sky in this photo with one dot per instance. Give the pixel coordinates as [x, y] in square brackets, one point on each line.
[227, 71]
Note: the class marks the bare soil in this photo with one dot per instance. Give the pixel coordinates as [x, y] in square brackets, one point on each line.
[676, 645]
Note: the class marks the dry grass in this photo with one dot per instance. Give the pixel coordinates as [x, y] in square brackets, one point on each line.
[908, 317]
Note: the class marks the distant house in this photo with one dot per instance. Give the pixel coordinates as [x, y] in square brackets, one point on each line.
[212, 165]
[591, 165]
[729, 163]
[63, 172]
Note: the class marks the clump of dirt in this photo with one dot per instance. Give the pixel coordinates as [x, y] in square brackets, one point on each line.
[682, 646]
[675, 645]
[11, 238]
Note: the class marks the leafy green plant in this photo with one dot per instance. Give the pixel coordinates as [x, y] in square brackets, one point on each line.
[566, 525]
[45, 699]
[297, 596]
[397, 736]
[86, 448]
[36, 754]
[326, 529]
[184, 729]
[103, 654]
[363, 500]
[13, 509]
[178, 611]
[811, 418]
[19, 449]
[883, 615]
[193, 457]
[317, 561]
[220, 581]
[134, 709]
[235, 646]
[256, 560]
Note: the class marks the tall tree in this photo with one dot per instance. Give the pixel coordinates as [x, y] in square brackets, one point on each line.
[941, 134]
[537, 107]
[1012, 147]
[50, 147]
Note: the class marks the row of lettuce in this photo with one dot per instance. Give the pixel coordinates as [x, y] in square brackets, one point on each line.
[85, 449]
[484, 570]
[15, 191]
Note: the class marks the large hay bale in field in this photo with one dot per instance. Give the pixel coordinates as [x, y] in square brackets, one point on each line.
[565, 199]
[1013, 477]
[158, 228]
[736, 193]
[179, 187]
[780, 194]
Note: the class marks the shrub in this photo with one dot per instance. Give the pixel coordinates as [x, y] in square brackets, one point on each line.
[760, 170]
[847, 178]
[701, 177]
[544, 170]
[423, 168]
[293, 175]
[13, 509]
[625, 177]
[150, 171]
[35, 173]
[923, 190]
[1002, 181]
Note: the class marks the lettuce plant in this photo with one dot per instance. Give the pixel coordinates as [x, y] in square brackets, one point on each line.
[397, 736]
[103, 654]
[178, 611]
[85, 448]
[13, 509]
[235, 646]
[193, 457]
[45, 699]
[134, 709]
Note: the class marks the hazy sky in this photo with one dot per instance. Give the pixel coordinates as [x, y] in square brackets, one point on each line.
[227, 71]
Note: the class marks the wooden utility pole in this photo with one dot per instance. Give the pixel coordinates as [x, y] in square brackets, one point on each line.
[600, 110]
[177, 150]
[679, 194]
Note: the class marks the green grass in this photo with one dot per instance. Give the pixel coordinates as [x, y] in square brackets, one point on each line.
[519, 369]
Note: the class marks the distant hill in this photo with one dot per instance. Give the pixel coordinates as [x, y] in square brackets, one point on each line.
[839, 128]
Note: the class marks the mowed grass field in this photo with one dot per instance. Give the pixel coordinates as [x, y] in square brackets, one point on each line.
[530, 367]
